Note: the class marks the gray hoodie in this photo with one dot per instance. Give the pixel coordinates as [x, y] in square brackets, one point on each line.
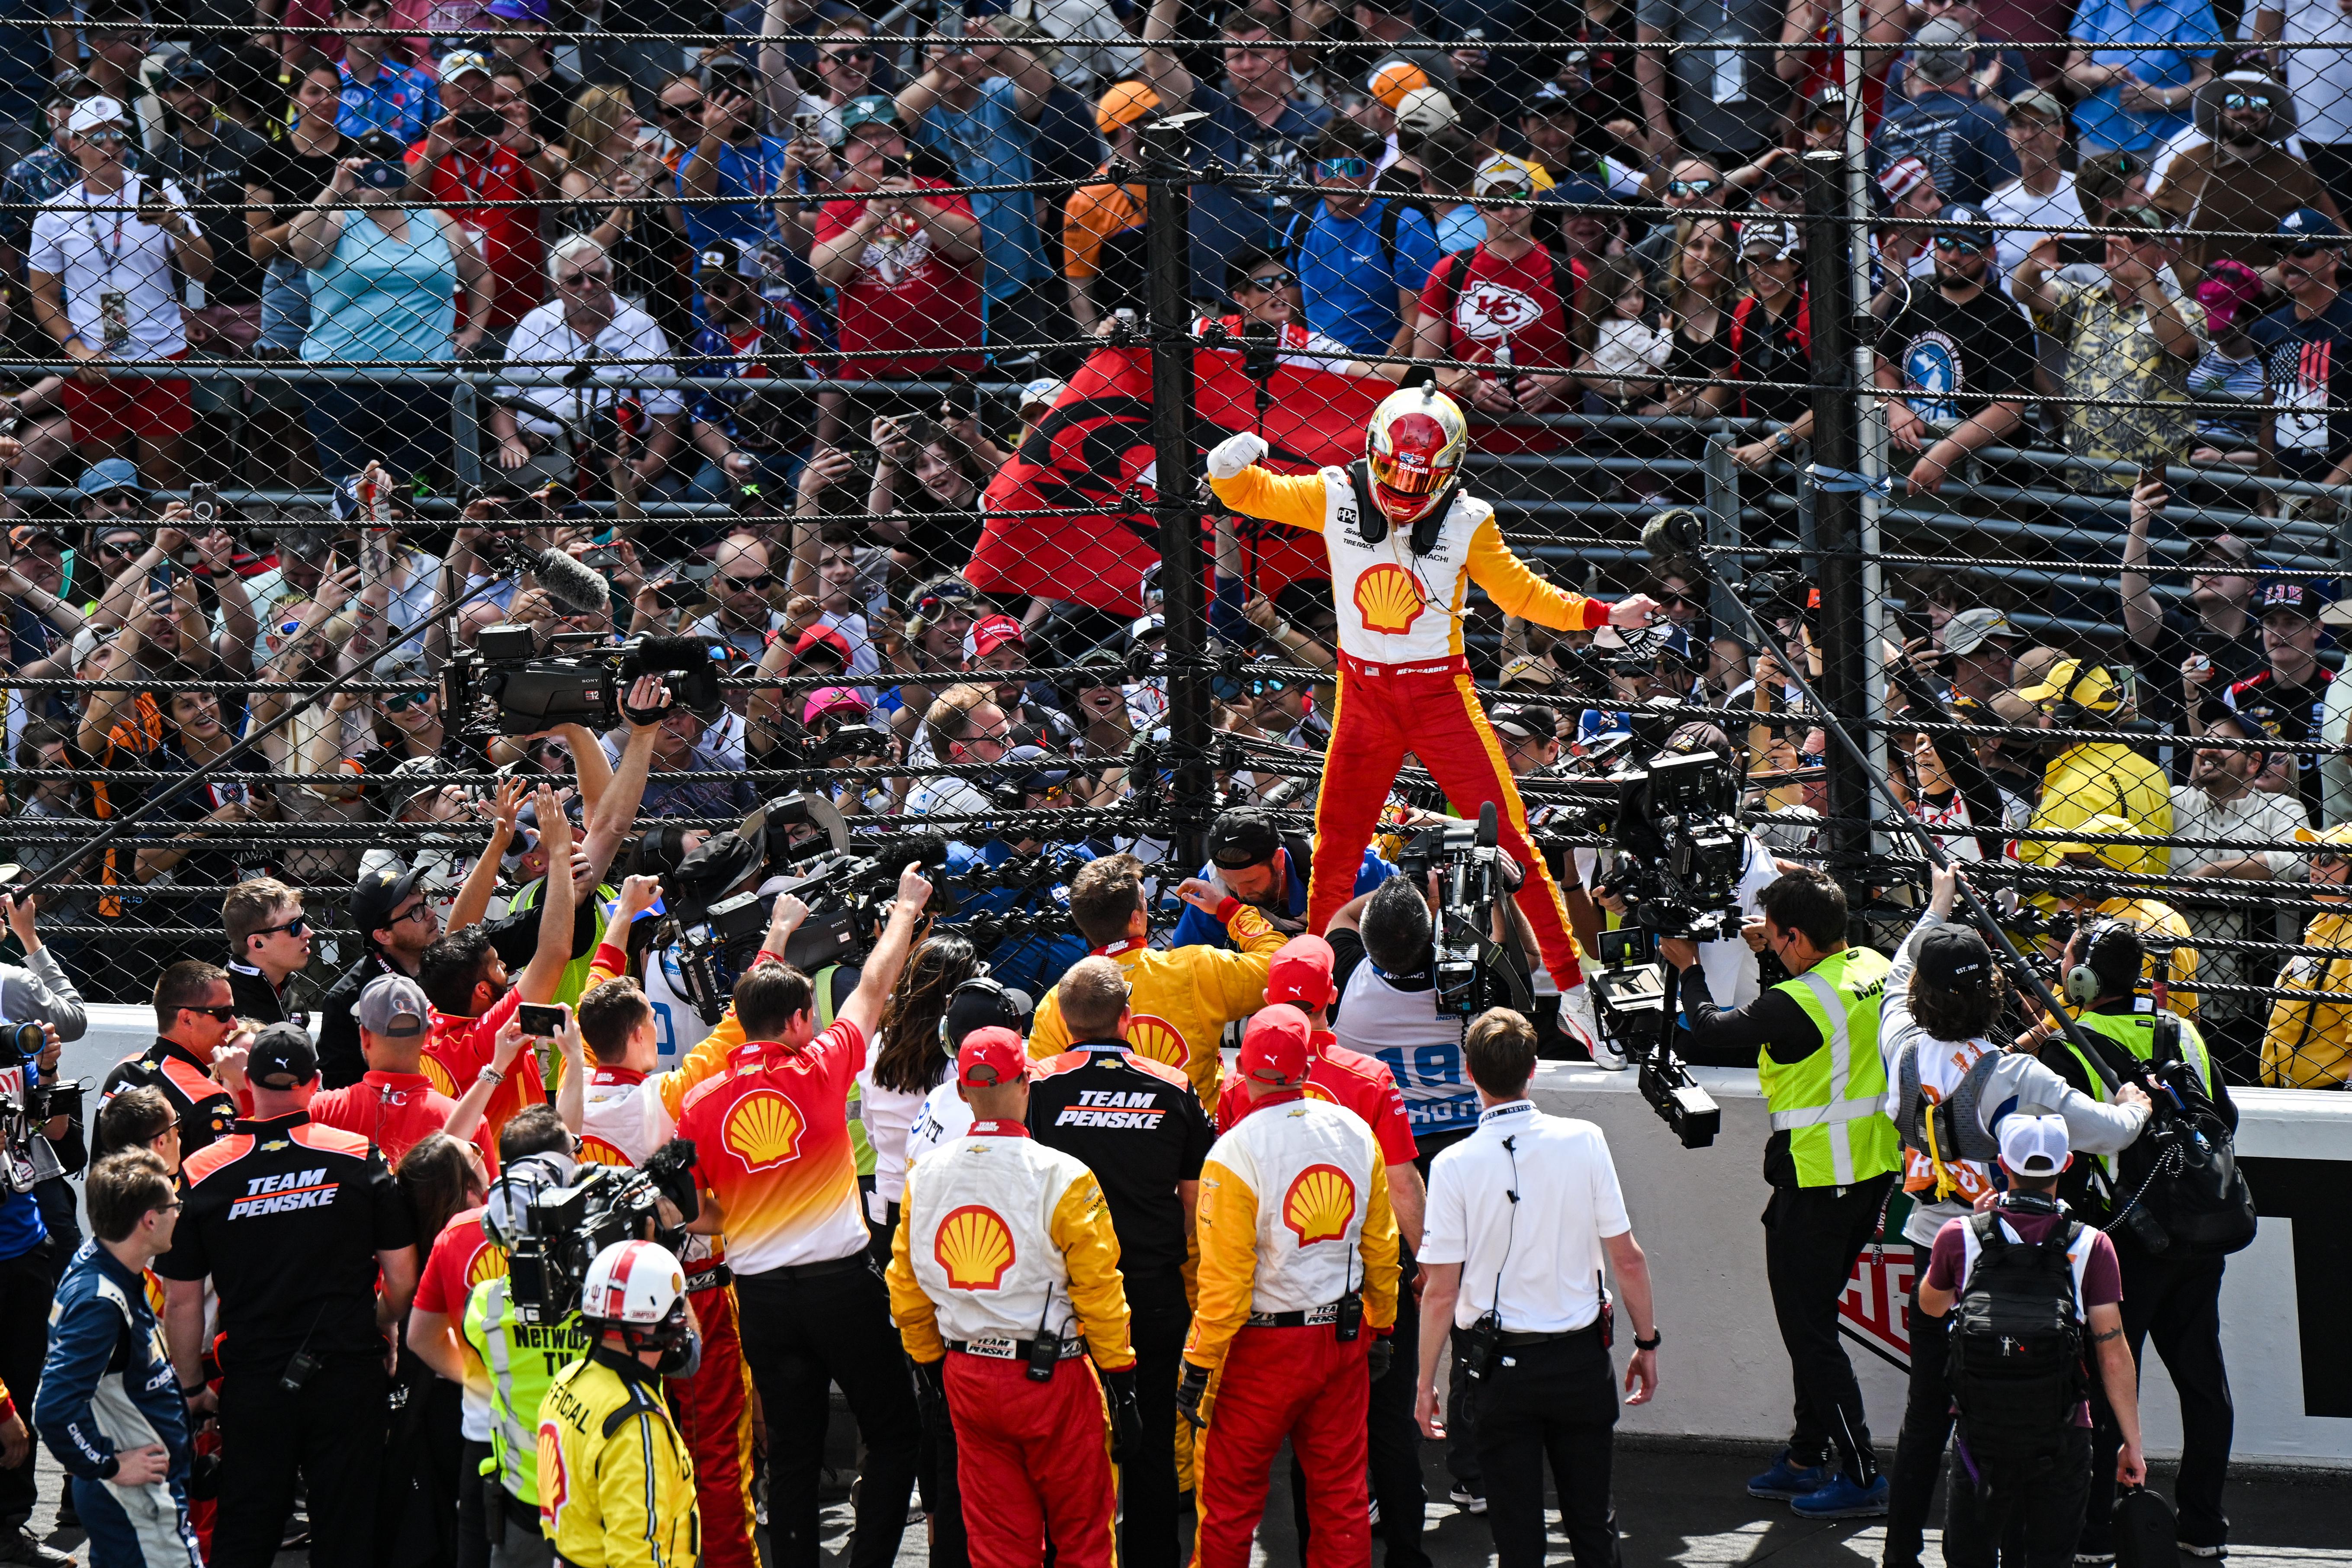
[42, 994]
[2019, 1084]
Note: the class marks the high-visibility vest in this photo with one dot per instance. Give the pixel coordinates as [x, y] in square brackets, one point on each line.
[568, 990]
[522, 1360]
[2136, 1032]
[1833, 1104]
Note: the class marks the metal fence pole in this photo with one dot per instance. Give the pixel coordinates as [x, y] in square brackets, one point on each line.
[1182, 566]
[1723, 527]
[1837, 509]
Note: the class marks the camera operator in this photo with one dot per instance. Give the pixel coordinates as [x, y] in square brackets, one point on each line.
[194, 1019]
[1252, 858]
[296, 1224]
[1031, 960]
[1831, 1159]
[775, 1161]
[1543, 1383]
[2177, 1299]
[39, 991]
[1943, 996]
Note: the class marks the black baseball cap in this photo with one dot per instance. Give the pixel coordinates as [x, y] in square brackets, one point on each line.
[1242, 838]
[1954, 958]
[1527, 720]
[282, 1057]
[377, 894]
[982, 1005]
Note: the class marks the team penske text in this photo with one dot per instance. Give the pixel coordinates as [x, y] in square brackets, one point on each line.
[277, 1195]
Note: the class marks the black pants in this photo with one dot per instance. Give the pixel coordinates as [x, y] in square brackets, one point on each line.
[2018, 1515]
[1812, 1237]
[1394, 1443]
[1554, 1402]
[27, 1281]
[1147, 1481]
[801, 1335]
[1460, 1418]
[2178, 1306]
[1926, 1428]
[473, 1499]
[332, 1432]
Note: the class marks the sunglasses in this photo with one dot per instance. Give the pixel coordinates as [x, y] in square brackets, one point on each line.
[1266, 688]
[1343, 168]
[2327, 861]
[123, 499]
[2244, 100]
[2305, 252]
[1959, 247]
[859, 55]
[1274, 280]
[930, 604]
[298, 926]
[573, 279]
[217, 1014]
[402, 701]
[1676, 601]
[678, 111]
[1691, 187]
[751, 585]
[117, 548]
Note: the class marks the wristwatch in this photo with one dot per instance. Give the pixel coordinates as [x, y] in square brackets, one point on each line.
[493, 1074]
[1657, 1337]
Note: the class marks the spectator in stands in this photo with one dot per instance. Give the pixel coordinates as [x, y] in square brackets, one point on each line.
[2244, 177]
[2216, 639]
[1771, 338]
[2308, 1041]
[976, 105]
[1362, 261]
[743, 620]
[115, 299]
[2089, 778]
[1504, 303]
[1623, 347]
[1959, 336]
[2129, 348]
[996, 644]
[384, 287]
[2043, 196]
[586, 324]
[964, 725]
[2232, 371]
[2320, 78]
[931, 523]
[378, 92]
[610, 158]
[1717, 101]
[476, 150]
[2307, 345]
[745, 439]
[282, 180]
[1690, 186]
[2136, 70]
[1939, 122]
[1699, 295]
[1264, 287]
[205, 153]
[1102, 226]
[2285, 697]
[1905, 246]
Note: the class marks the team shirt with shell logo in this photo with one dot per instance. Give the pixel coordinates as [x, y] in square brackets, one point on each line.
[623, 1120]
[1294, 1214]
[771, 1137]
[462, 1256]
[1350, 1079]
[1002, 1239]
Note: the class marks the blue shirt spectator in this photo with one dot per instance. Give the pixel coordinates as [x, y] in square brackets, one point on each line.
[2140, 66]
[750, 173]
[985, 125]
[1293, 865]
[1964, 144]
[398, 99]
[1030, 961]
[1361, 265]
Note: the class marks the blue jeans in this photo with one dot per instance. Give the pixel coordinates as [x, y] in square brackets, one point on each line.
[405, 429]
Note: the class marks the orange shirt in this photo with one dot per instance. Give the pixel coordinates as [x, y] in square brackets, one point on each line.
[1093, 214]
[771, 1141]
[460, 1048]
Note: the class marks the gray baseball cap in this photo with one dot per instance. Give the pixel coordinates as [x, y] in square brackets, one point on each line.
[393, 1006]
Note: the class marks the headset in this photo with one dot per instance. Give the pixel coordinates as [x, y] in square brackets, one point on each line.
[2068, 714]
[1017, 1002]
[2085, 983]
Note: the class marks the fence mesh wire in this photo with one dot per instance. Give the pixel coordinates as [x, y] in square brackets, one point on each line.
[869, 348]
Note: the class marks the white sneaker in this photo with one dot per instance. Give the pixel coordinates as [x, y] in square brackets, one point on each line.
[1467, 1501]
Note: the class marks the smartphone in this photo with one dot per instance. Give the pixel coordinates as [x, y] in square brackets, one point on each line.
[805, 126]
[680, 592]
[204, 506]
[602, 559]
[473, 123]
[543, 1021]
[2082, 250]
[159, 580]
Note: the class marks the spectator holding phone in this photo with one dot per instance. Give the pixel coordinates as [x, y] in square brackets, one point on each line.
[476, 151]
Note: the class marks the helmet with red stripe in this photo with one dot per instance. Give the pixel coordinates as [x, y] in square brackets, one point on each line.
[1414, 447]
[632, 1284]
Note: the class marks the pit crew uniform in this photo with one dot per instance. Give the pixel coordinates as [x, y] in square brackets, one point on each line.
[206, 1111]
[1294, 1214]
[1182, 998]
[998, 1233]
[616, 1486]
[1404, 684]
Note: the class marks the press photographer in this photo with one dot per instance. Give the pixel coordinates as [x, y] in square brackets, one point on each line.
[1813, 1039]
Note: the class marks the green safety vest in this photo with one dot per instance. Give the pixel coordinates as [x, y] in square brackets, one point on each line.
[1833, 1104]
[2136, 1032]
[575, 973]
[860, 1146]
[522, 1359]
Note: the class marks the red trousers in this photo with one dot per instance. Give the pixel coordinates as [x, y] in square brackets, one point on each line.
[714, 1415]
[1304, 1384]
[1434, 714]
[1032, 1458]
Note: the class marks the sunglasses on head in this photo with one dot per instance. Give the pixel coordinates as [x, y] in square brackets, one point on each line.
[1959, 246]
[1343, 168]
[1691, 187]
[930, 604]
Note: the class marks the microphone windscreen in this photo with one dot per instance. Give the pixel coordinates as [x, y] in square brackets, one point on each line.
[1674, 532]
[923, 849]
[576, 587]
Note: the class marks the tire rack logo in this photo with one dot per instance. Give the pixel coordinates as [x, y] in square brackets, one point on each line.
[1158, 1040]
[1320, 1204]
[1388, 599]
[596, 1151]
[975, 1246]
[276, 1195]
[763, 1130]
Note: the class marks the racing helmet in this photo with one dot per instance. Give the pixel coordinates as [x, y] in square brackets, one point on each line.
[633, 1284]
[1413, 447]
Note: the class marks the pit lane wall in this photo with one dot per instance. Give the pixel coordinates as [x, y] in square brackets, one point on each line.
[1696, 1212]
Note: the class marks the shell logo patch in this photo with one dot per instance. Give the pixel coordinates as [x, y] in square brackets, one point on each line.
[1388, 598]
[1319, 1204]
[552, 1481]
[438, 1075]
[1158, 1040]
[596, 1151]
[974, 1246]
[763, 1130]
[490, 1263]
[1313, 1090]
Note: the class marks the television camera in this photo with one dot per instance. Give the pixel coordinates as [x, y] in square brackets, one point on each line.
[1679, 843]
[561, 1229]
[1633, 998]
[1473, 876]
[505, 685]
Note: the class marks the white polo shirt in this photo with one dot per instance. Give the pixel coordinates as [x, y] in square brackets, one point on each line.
[1536, 1263]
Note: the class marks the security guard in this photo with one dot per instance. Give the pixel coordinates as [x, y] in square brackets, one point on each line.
[195, 1016]
[1138, 1127]
[2176, 1300]
[616, 1486]
[1004, 1275]
[1297, 1278]
[296, 1224]
[1831, 1160]
[1184, 996]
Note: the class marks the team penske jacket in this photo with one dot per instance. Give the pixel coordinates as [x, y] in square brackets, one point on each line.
[1383, 588]
[1294, 1214]
[1002, 1239]
[203, 1108]
[1182, 998]
[615, 1483]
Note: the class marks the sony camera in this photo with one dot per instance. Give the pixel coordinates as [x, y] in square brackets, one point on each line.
[505, 685]
[1679, 843]
[1632, 995]
[562, 1229]
[1473, 876]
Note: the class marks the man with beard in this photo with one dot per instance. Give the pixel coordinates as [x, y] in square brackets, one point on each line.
[2241, 179]
[1957, 334]
[2215, 641]
[1251, 858]
[744, 619]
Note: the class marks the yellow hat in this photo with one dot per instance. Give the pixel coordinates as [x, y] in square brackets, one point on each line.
[2103, 824]
[1393, 80]
[1124, 104]
[2089, 686]
[2339, 836]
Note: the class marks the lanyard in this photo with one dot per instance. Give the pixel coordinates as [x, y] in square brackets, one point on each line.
[113, 255]
[476, 185]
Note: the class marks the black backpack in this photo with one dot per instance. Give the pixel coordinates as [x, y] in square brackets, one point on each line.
[2014, 1359]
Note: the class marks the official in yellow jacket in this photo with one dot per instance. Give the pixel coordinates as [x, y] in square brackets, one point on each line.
[2308, 1044]
[615, 1483]
[1297, 1287]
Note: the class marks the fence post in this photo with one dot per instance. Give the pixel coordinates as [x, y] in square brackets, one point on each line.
[465, 435]
[1724, 528]
[1168, 257]
[1837, 511]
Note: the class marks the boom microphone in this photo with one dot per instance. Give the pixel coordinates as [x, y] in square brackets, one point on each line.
[576, 587]
[1674, 532]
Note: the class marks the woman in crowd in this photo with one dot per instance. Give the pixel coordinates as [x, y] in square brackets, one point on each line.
[616, 160]
[933, 523]
[280, 181]
[1698, 292]
[905, 1062]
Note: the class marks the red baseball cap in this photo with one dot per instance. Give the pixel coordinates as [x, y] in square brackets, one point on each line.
[990, 633]
[823, 636]
[1275, 1047]
[991, 1057]
[1301, 973]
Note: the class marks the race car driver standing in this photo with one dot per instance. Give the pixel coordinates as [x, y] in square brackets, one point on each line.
[1405, 544]
[1298, 1279]
[1004, 1275]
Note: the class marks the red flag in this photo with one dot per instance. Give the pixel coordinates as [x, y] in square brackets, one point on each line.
[1091, 458]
